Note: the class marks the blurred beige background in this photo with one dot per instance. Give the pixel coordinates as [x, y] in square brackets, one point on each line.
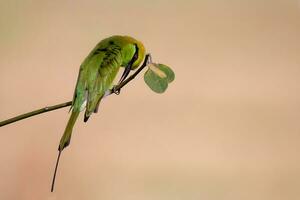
[227, 128]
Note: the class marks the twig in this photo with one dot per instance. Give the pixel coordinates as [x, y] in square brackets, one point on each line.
[36, 112]
[115, 90]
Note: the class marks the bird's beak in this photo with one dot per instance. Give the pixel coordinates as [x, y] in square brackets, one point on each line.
[125, 73]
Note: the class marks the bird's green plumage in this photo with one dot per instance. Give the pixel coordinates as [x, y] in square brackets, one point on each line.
[97, 73]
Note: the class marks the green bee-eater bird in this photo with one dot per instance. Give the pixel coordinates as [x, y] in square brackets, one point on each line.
[96, 75]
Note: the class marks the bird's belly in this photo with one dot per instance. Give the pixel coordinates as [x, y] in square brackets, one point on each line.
[83, 106]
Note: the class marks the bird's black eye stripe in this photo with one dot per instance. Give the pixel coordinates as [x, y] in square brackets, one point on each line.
[136, 54]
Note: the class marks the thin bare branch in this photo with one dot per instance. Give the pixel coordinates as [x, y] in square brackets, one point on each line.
[115, 90]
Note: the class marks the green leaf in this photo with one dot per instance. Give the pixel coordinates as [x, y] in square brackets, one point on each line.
[158, 76]
[155, 81]
[168, 71]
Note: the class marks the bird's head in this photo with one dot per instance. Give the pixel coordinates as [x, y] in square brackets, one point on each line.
[133, 53]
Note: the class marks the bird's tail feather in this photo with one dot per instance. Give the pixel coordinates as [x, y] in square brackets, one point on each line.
[65, 139]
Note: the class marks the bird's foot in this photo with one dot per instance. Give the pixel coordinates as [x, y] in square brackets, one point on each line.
[115, 91]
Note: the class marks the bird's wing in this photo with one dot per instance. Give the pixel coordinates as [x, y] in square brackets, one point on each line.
[100, 72]
[79, 92]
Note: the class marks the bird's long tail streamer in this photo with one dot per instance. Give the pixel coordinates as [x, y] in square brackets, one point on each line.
[65, 141]
[55, 170]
